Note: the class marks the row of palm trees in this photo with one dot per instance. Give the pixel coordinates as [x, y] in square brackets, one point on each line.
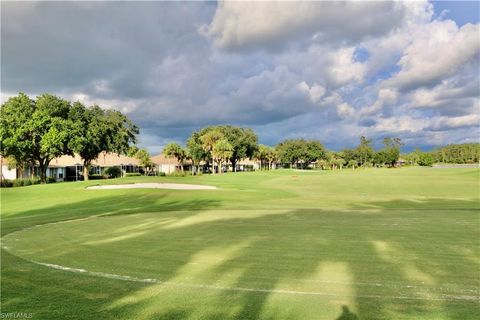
[214, 143]
[217, 146]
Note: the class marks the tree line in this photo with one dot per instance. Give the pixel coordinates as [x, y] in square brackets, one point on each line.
[216, 146]
[34, 131]
[452, 153]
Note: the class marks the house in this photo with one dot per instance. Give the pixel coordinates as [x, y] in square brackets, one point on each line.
[70, 168]
[10, 171]
[170, 165]
[400, 162]
[247, 165]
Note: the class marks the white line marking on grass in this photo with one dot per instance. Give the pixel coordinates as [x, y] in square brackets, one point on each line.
[443, 297]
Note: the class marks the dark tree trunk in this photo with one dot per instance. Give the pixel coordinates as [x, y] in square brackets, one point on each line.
[42, 166]
[234, 164]
[86, 169]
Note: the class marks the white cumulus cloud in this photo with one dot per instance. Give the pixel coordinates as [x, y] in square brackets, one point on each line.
[243, 25]
[447, 123]
[314, 92]
[438, 50]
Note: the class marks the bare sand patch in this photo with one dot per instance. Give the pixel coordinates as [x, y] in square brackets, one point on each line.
[171, 186]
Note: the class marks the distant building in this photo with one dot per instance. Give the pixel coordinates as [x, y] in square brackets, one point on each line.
[246, 165]
[71, 168]
[8, 172]
[400, 162]
[68, 168]
[169, 165]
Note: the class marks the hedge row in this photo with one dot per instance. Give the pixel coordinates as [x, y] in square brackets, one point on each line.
[7, 183]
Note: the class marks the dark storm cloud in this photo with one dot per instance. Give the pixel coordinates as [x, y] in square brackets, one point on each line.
[51, 45]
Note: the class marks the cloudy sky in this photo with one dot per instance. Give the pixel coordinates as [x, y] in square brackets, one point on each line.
[318, 70]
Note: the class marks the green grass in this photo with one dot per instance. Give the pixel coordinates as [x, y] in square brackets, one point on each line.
[363, 244]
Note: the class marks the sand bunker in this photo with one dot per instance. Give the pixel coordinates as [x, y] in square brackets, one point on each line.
[174, 186]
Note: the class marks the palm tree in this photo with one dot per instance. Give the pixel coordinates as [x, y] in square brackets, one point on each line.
[174, 150]
[209, 139]
[271, 156]
[352, 163]
[322, 163]
[221, 152]
[261, 155]
[144, 158]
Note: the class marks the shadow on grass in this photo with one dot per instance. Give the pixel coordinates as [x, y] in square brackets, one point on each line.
[302, 264]
[104, 206]
[422, 204]
[347, 314]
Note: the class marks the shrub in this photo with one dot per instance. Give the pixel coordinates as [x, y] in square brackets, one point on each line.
[426, 159]
[97, 177]
[17, 183]
[162, 174]
[178, 174]
[113, 172]
[248, 167]
[5, 183]
[133, 174]
[50, 180]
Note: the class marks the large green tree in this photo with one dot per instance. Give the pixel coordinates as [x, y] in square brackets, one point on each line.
[36, 131]
[458, 153]
[300, 152]
[195, 151]
[100, 130]
[244, 143]
[121, 133]
[364, 151]
[242, 140]
[392, 150]
[426, 159]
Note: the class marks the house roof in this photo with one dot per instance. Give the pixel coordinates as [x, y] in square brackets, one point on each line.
[160, 159]
[103, 160]
[247, 161]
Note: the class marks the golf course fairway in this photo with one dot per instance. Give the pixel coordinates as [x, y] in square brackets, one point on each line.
[346, 244]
